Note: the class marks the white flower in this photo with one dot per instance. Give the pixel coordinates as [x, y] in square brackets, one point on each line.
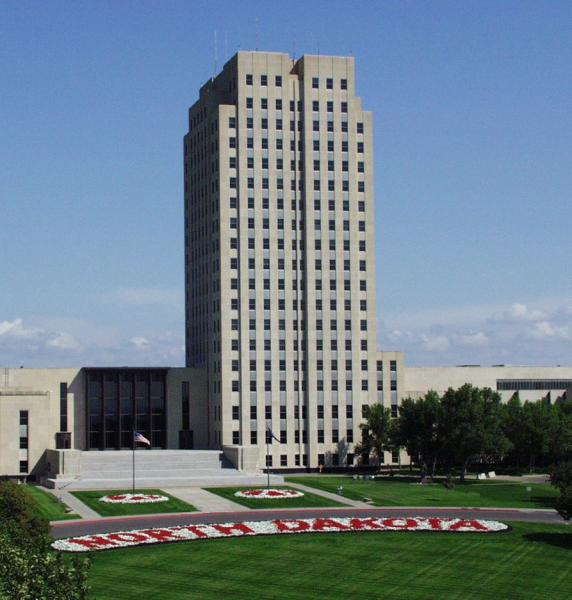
[137, 537]
[134, 499]
[268, 494]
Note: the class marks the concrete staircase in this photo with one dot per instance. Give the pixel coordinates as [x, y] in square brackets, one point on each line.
[156, 468]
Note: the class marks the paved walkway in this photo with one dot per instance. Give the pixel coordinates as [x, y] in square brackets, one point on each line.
[324, 494]
[204, 501]
[77, 506]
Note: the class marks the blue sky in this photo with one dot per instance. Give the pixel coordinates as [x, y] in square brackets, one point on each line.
[473, 163]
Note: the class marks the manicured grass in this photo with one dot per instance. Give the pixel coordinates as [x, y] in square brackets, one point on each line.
[48, 506]
[396, 492]
[174, 505]
[530, 562]
[307, 500]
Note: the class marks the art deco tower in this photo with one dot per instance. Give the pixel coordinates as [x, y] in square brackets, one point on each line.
[279, 255]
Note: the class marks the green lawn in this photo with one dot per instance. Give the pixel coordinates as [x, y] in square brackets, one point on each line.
[48, 506]
[395, 492]
[306, 501]
[530, 562]
[174, 505]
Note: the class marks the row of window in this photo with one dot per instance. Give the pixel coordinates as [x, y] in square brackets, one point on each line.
[233, 224]
[280, 244]
[298, 284]
[343, 83]
[235, 364]
[235, 345]
[233, 184]
[330, 145]
[278, 105]
[297, 386]
[234, 303]
[298, 438]
[232, 163]
[297, 264]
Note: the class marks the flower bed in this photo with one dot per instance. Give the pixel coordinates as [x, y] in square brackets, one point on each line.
[269, 494]
[124, 539]
[134, 499]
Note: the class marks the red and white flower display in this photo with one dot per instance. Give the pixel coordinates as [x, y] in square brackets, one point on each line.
[134, 499]
[269, 494]
[181, 533]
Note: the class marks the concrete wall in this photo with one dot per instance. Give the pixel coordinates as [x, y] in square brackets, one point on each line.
[418, 380]
[38, 392]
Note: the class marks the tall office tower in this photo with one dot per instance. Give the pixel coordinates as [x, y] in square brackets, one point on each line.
[279, 256]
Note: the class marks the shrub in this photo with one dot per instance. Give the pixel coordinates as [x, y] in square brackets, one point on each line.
[29, 569]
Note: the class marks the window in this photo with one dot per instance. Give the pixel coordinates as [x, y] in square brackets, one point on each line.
[278, 82]
[232, 122]
[235, 386]
[320, 409]
[249, 79]
[236, 438]
[320, 436]
[343, 84]
[249, 103]
[359, 128]
[350, 439]
[63, 406]
[349, 411]
[253, 437]
[263, 80]
[232, 142]
[329, 83]
[335, 436]
[344, 107]
[315, 82]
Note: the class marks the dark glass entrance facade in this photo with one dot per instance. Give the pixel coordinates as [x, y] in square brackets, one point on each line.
[122, 400]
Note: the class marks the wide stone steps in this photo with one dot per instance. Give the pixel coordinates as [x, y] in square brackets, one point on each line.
[156, 468]
[125, 483]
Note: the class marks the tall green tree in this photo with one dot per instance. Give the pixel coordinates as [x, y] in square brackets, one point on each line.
[471, 427]
[419, 432]
[376, 431]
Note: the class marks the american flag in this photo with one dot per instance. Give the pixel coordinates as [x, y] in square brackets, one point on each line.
[138, 437]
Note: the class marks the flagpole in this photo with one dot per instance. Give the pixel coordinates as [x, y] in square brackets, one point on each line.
[267, 465]
[133, 472]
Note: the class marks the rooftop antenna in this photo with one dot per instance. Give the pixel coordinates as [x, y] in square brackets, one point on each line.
[215, 53]
[256, 32]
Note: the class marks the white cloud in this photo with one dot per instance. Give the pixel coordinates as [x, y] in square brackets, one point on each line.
[478, 338]
[545, 330]
[519, 312]
[46, 346]
[15, 329]
[140, 343]
[517, 333]
[438, 343]
[64, 341]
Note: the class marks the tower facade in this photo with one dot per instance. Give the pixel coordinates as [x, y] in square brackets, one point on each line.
[280, 256]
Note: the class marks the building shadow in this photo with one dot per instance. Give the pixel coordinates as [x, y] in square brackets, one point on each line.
[560, 540]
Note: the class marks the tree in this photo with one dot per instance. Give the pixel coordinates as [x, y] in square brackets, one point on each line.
[471, 426]
[561, 475]
[376, 431]
[29, 569]
[564, 503]
[538, 425]
[418, 430]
